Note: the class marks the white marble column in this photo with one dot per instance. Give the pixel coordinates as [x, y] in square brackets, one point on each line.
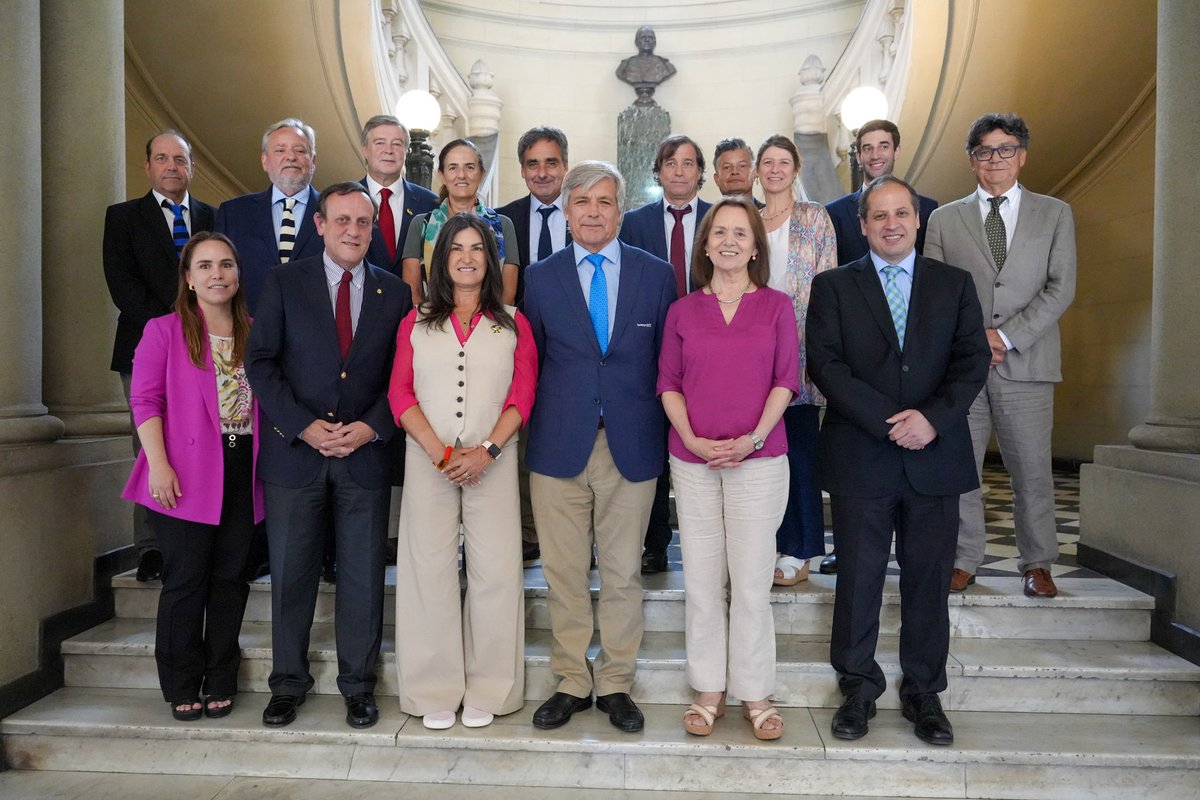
[1174, 420]
[23, 417]
[83, 171]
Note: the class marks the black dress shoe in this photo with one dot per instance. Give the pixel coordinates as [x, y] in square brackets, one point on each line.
[654, 562]
[621, 711]
[929, 721]
[829, 564]
[557, 711]
[361, 711]
[149, 566]
[531, 553]
[282, 709]
[329, 571]
[850, 721]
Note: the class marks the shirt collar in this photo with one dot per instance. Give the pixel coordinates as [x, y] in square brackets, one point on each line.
[333, 273]
[160, 198]
[694, 203]
[373, 186]
[556, 202]
[610, 251]
[1013, 194]
[908, 263]
[301, 197]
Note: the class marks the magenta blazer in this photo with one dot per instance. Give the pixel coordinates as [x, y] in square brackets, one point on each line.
[166, 384]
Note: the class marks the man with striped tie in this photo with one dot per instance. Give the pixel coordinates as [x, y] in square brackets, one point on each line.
[276, 226]
[142, 241]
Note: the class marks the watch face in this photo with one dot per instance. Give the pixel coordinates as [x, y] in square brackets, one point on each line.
[494, 451]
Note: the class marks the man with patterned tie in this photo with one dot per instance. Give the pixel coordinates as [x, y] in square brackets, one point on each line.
[896, 344]
[541, 225]
[319, 358]
[384, 148]
[596, 441]
[1020, 249]
[142, 242]
[667, 228]
[276, 226]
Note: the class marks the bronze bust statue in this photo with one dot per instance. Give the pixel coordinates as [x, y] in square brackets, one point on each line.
[645, 71]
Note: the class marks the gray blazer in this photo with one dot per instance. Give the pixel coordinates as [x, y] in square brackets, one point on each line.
[1036, 285]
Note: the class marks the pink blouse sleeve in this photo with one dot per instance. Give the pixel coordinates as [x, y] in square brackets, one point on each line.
[670, 356]
[787, 347]
[401, 394]
[525, 366]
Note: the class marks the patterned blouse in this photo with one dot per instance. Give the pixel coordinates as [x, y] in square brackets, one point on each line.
[233, 390]
[812, 248]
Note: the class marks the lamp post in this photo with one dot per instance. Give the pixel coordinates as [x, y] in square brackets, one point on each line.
[858, 108]
[421, 114]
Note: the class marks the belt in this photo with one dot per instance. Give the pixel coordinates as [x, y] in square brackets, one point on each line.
[236, 440]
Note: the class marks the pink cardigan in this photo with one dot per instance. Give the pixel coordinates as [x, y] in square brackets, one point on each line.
[166, 384]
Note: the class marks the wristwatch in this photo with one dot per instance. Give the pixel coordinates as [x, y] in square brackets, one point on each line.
[758, 443]
[493, 449]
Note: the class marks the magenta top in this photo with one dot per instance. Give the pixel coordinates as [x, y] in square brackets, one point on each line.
[725, 371]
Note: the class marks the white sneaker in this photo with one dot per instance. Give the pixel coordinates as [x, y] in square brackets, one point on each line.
[476, 718]
[438, 720]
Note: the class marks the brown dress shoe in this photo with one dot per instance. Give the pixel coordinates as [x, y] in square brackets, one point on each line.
[1038, 583]
[960, 580]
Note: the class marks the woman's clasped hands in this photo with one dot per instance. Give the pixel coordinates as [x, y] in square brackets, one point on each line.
[721, 453]
[466, 465]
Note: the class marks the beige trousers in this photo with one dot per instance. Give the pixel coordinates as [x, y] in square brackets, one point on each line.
[601, 506]
[727, 524]
[454, 649]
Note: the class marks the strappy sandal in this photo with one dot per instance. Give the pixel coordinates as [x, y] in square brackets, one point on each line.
[758, 717]
[216, 712]
[708, 715]
[792, 570]
[183, 711]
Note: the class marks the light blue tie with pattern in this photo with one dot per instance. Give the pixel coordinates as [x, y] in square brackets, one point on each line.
[598, 301]
[895, 300]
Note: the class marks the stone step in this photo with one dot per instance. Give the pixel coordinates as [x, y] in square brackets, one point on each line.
[996, 754]
[1085, 609]
[1084, 677]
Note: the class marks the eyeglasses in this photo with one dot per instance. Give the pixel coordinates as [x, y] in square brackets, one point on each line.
[983, 153]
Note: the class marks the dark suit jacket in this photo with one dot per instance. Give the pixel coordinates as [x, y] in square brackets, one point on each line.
[417, 200]
[141, 267]
[247, 221]
[518, 212]
[297, 373]
[576, 380]
[854, 358]
[643, 227]
[851, 244]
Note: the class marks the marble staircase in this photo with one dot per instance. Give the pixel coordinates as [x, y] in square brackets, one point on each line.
[1050, 699]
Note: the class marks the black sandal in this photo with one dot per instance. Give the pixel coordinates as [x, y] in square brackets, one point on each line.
[216, 712]
[187, 714]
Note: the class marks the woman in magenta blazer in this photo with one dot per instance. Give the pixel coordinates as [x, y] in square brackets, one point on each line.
[196, 419]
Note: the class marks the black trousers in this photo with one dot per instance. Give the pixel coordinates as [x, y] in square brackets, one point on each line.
[926, 529]
[204, 586]
[297, 523]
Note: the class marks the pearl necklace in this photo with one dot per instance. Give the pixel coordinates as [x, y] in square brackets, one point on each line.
[734, 300]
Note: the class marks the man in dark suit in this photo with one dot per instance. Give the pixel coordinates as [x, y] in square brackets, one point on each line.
[896, 344]
[596, 441]
[1020, 249]
[666, 228]
[541, 225]
[142, 242]
[733, 169]
[319, 357]
[276, 226]
[384, 147]
[878, 144]
[539, 217]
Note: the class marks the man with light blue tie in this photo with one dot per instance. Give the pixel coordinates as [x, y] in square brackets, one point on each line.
[276, 226]
[596, 441]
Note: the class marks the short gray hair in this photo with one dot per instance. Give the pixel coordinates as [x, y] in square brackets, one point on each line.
[586, 174]
[383, 119]
[291, 122]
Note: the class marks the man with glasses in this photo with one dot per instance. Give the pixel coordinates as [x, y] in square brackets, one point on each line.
[1020, 249]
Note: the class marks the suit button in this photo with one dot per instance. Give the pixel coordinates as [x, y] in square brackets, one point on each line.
[904, 368]
[998, 284]
[460, 399]
[458, 414]
[994, 316]
[329, 414]
[460, 383]
[460, 368]
[596, 401]
[343, 376]
[603, 363]
[461, 354]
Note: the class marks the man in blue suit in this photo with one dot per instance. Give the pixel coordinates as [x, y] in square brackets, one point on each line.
[319, 358]
[878, 144]
[276, 226]
[666, 228]
[596, 440]
[384, 147]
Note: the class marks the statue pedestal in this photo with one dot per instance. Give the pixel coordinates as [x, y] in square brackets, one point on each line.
[639, 130]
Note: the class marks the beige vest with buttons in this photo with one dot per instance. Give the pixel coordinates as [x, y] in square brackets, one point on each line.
[462, 388]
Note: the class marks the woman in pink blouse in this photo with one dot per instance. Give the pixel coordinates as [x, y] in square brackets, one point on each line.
[196, 419]
[727, 370]
[801, 242]
[462, 384]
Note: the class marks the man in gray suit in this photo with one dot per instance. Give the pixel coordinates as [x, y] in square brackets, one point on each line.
[1020, 249]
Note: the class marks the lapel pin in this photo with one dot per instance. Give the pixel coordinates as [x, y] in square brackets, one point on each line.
[379, 291]
[408, 211]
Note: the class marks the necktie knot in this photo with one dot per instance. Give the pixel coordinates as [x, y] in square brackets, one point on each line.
[996, 202]
[347, 276]
[891, 271]
[596, 260]
[680, 213]
[289, 204]
[385, 194]
[546, 211]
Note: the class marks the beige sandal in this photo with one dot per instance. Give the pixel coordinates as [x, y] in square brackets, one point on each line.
[791, 571]
[759, 717]
[708, 715]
